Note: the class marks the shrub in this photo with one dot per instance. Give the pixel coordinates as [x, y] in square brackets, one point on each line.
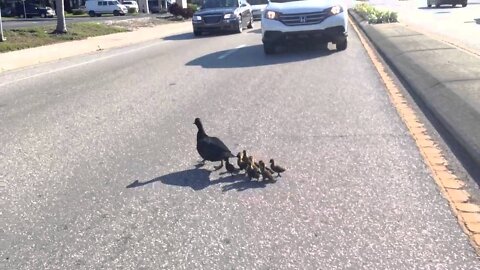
[78, 11]
[132, 10]
[175, 10]
[373, 15]
[186, 13]
[193, 7]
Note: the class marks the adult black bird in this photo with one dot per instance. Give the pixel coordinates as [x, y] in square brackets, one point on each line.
[211, 148]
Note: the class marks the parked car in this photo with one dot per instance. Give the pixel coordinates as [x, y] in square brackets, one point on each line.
[32, 10]
[131, 5]
[222, 15]
[258, 6]
[321, 21]
[7, 12]
[453, 3]
[97, 8]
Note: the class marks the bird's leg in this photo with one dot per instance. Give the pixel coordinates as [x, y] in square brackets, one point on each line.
[219, 166]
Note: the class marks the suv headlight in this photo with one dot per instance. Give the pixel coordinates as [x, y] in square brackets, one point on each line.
[229, 16]
[197, 18]
[272, 15]
[335, 10]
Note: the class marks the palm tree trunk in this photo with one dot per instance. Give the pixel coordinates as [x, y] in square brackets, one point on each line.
[61, 25]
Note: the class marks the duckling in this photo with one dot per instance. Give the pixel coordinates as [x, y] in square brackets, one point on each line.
[252, 172]
[276, 168]
[244, 156]
[255, 164]
[241, 162]
[230, 168]
[265, 173]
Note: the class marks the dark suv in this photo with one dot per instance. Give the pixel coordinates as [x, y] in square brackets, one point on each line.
[222, 15]
[32, 10]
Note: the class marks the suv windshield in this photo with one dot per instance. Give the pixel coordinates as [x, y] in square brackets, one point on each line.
[283, 1]
[220, 3]
[258, 2]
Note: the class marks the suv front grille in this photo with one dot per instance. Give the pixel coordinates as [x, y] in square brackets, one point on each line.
[212, 18]
[303, 18]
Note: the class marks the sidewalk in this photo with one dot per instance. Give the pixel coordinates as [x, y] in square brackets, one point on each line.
[28, 57]
[446, 78]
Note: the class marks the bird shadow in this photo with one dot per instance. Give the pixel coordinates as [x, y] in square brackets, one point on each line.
[243, 185]
[198, 179]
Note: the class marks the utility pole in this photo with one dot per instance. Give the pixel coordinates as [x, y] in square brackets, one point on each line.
[2, 37]
[24, 10]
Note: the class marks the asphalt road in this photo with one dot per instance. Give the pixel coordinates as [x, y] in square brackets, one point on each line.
[22, 23]
[98, 155]
[457, 25]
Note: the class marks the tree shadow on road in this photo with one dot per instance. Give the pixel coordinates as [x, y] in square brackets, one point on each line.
[187, 36]
[198, 179]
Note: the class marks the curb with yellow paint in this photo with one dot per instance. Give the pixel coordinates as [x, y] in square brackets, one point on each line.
[452, 187]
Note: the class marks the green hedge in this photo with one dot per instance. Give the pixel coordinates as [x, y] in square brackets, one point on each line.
[78, 11]
[374, 15]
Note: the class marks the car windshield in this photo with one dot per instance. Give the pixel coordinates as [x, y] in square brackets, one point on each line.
[257, 2]
[220, 3]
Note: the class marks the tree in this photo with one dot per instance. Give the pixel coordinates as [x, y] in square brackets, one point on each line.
[61, 24]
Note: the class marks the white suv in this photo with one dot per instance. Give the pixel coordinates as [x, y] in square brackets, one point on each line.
[290, 20]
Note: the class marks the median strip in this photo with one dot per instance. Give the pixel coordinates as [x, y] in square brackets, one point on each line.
[18, 39]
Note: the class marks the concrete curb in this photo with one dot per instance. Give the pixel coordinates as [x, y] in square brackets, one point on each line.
[447, 79]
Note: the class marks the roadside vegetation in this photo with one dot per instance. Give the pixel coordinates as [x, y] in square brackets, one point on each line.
[186, 13]
[374, 15]
[23, 38]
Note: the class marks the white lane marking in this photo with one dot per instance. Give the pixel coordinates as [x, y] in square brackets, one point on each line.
[230, 52]
[84, 63]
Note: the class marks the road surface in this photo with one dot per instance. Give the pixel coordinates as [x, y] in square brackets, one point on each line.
[98, 156]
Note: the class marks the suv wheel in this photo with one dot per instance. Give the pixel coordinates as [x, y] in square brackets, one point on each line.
[197, 33]
[250, 24]
[341, 45]
[464, 5]
[43, 15]
[268, 48]
[116, 13]
[22, 15]
[91, 13]
[240, 25]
